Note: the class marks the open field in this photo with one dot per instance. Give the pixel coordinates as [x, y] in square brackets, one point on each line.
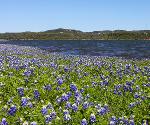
[38, 88]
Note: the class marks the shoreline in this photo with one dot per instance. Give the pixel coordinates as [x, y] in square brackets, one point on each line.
[1, 40]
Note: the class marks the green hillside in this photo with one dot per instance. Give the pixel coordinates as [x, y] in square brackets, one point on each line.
[69, 34]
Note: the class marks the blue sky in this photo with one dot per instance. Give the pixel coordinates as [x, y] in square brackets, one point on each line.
[85, 15]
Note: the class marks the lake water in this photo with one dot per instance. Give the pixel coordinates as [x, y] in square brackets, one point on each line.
[127, 49]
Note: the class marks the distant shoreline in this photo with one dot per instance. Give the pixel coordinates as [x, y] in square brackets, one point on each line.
[69, 34]
[3, 40]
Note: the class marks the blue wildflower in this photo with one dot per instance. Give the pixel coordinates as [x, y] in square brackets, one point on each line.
[92, 118]
[85, 105]
[125, 88]
[49, 106]
[91, 104]
[106, 107]
[21, 91]
[47, 87]
[77, 95]
[12, 110]
[48, 119]
[66, 69]
[102, 111]
[53, 115]
[27, 73]
[74, 107]
[57, 88]
[113, 121]
[87, 96]
[65, 112]
[4, 122]
[105, 83]
[24, 101]
[68, 105]
[44, 110]
[131, 122]
[67, 117]
[145, 122]
[84, 122]
[78, 101]
[98, 106]
[82, 90]
[36, 94]
[73, 87]
[33, 123]
[125, 120]
[131, 105]
[136, 95]
[69, 94]
[58, 100]
[93, 84]
[52, 64]
[64, 97]
[60, 81]
[137, 87]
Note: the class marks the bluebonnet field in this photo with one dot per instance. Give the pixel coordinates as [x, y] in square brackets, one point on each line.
[39, 88]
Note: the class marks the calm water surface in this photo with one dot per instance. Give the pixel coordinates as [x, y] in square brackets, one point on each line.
[127, 49]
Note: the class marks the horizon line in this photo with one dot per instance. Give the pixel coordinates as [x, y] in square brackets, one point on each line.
[111, 30]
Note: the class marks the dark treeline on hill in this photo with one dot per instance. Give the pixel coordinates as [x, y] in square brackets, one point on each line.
[69, 34]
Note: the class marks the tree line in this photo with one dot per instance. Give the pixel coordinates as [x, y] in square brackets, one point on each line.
[64, 34]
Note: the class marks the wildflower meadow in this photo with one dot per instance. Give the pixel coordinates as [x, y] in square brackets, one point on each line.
[42, 88]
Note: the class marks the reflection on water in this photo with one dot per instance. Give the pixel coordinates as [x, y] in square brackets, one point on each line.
[128, 49]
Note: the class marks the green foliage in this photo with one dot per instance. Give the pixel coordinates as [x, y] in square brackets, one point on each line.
[66, 34]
